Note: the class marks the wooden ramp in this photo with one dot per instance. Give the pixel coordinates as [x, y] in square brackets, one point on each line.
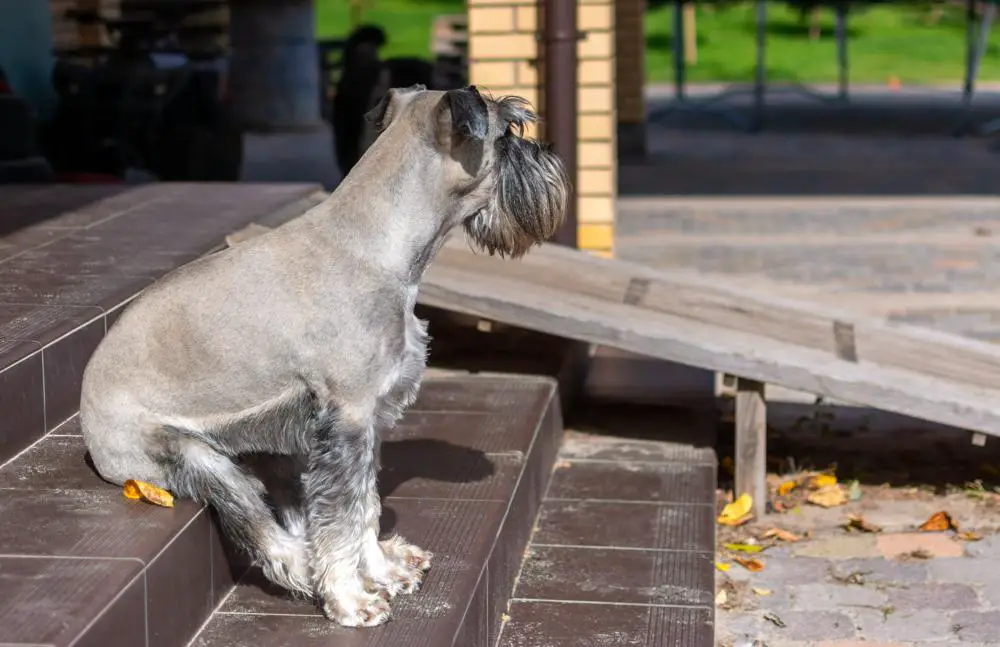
[717, 324]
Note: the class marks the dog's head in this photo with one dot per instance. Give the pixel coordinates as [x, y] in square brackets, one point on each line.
[509, 192]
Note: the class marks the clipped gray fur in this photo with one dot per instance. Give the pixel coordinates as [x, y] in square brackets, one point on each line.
[301, 342]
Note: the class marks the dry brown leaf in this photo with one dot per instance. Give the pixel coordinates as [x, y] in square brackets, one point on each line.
[142, 491]
[752, 565]
[828, 497]
[857, 522]
[780, 534]
[939, 522]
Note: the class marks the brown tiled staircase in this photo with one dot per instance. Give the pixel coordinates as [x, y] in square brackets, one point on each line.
[464, 473]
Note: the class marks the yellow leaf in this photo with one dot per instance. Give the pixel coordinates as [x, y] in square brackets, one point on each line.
[938, 522]
[969, 535]
[744, 548]
[786, 487]
[737, 512]
[721, 566]
[752, 565]
[762, 592]
[821, 481]
[778, 533]
[828, 497]
[142, 491]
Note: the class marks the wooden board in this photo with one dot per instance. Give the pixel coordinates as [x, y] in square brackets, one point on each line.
[710, 322]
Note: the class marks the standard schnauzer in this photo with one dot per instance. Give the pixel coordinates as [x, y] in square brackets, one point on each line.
[302, 342]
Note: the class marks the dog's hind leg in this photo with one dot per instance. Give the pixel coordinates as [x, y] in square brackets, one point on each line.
[339, 483]
[211, 478]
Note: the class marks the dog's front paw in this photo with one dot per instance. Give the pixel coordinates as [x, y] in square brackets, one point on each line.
[352, 606]
[396, 580]
[406, 556]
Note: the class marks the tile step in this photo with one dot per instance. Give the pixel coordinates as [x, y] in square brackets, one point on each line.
[463, 476]
[72, 256]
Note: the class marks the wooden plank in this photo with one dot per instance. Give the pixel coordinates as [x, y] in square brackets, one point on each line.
[751, 444]
[711, 323]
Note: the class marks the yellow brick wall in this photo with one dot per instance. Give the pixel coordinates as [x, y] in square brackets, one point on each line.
[503, 58]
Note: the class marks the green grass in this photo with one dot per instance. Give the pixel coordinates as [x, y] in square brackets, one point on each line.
[886, 41]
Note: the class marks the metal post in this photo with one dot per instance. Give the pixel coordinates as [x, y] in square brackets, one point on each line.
[560, 38]
[841, 34]
[680, 65]
[760, 80]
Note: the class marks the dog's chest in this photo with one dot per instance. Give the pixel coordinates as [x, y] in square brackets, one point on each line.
[403, 384]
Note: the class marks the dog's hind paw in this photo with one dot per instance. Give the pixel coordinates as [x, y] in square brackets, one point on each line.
[356, 610]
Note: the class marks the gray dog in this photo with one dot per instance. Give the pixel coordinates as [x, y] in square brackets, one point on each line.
[302, 342]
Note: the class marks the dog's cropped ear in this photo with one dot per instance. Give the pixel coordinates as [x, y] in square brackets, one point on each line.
[470, 118]
[380, 115]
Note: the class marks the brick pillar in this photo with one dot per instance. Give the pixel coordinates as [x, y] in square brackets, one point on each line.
[631, 62]
[503, 58]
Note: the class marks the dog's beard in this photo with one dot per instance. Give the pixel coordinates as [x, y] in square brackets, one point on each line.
[528, 202]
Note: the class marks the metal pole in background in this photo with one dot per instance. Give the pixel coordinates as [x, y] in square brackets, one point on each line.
[560, 37]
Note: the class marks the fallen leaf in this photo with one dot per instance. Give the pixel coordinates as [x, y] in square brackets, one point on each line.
[822, 481]
[919, 553]
[744, 548]
[828, 497]
[142, 491]
[504, 617]
[854, 491]
[762, 592]
[722, 566]
[737, 513]
[857, 522]
[752, 565]
[969, 535]
[938, 522]
[787, 487]
[721, 598]
[775, 620]
[778, 533]
[728, 465]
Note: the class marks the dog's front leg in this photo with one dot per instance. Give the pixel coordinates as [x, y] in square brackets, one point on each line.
[338, 485]
[392, 566]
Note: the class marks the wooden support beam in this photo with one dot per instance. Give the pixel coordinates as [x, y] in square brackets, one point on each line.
[751, 444]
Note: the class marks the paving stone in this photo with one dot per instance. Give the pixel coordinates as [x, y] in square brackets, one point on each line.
[825, 597]
[906, 626]
[964, 571]
[895, 545]
[978, 626]
[882, 571]
[844, 547]
[734, 625]
[988, 547]
[813, 625]
[783, 572]
[934, 596]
